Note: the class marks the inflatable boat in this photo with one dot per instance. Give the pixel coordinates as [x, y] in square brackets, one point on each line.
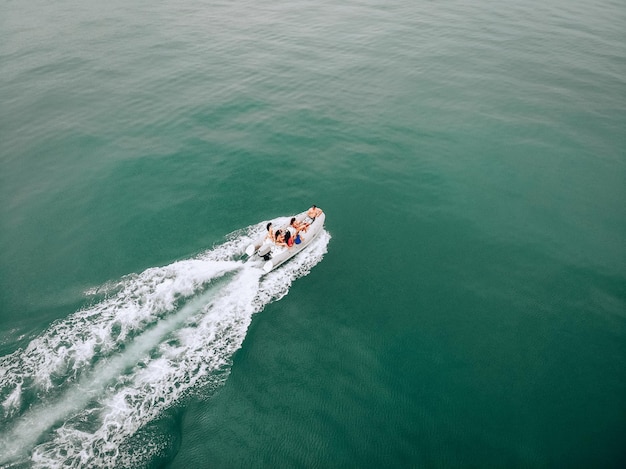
[273, 255]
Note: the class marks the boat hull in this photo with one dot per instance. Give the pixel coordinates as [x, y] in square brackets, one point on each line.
[279, 255]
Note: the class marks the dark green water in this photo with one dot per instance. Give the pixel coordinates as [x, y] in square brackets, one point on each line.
[466, 306]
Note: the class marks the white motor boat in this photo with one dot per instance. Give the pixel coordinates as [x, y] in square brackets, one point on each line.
[274, 255]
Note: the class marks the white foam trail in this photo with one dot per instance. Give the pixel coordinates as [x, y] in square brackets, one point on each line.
[59, 355]
[165, 353]
[37, 420]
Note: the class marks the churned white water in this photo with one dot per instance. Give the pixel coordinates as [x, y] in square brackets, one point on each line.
[104, 372]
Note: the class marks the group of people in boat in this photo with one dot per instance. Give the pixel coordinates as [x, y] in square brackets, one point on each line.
[287, 237]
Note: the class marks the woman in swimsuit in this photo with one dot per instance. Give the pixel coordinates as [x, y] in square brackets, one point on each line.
[297, 226]
[288, 239]
[280, 238]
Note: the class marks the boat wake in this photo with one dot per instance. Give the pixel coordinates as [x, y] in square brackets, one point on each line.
[80, 390]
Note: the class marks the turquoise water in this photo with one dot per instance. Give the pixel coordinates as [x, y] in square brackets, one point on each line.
[465, 306]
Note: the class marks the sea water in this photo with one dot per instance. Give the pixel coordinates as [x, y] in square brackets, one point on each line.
[465, 306]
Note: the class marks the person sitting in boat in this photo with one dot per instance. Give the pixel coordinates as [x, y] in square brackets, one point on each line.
[289, 240]
[298, 226]
[270, 232]
[280, 238]
[313, 212]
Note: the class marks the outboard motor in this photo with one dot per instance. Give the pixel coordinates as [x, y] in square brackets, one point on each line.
[265, 252]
